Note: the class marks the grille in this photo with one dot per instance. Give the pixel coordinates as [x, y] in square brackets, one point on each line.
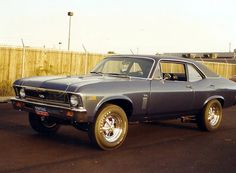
[47, 96]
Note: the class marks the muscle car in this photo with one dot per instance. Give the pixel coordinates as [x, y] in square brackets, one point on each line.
[123, 89]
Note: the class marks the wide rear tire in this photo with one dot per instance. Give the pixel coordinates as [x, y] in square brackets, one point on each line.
[211, 116]
[110, 128]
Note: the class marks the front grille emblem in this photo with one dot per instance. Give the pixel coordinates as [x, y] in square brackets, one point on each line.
[41, 96]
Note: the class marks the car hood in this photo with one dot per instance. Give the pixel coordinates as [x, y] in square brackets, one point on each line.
[66, 83]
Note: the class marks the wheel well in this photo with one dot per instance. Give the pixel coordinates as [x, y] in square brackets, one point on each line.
[221, 101]
[124, 104]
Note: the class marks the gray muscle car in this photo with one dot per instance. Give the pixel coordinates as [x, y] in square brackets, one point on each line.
[122, 89]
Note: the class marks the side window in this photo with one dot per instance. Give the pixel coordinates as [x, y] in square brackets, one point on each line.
[174, 71]
[136, 70]
[194, 75]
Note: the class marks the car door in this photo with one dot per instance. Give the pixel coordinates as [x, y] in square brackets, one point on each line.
[173, 93]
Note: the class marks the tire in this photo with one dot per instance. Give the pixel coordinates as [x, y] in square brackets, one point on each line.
[42, 125]
[211, 116]
[110, 128]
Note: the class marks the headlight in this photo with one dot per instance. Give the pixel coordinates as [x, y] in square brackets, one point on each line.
[74, 100]
[22, 93]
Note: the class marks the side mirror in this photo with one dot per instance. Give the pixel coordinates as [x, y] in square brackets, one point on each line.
[167, 76]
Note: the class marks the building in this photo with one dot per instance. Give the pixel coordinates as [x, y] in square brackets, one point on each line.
[226, 57]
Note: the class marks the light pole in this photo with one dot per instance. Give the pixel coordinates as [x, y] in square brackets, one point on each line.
[69, 14]
[60, 43]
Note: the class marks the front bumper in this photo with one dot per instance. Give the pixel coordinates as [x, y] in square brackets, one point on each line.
[78, 115]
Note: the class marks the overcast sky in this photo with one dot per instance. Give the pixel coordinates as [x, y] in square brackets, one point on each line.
[143, 26]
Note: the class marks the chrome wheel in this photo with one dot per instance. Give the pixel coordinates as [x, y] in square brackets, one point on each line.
[213, 115]
[111, 128]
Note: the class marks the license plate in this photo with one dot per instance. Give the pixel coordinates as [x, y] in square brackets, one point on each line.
[42, 111]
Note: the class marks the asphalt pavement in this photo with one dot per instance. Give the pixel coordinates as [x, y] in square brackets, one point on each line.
[166, 146]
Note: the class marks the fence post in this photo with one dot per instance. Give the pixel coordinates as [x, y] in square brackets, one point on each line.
[23, 59]
[86, 59]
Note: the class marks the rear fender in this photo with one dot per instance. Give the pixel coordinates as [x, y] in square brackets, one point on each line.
[220, 98]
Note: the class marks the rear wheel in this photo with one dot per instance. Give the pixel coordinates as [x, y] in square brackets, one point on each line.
[211, 116]
[110, 128]
[42, 125]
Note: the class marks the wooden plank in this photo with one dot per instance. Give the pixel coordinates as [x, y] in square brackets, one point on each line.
[41, 62]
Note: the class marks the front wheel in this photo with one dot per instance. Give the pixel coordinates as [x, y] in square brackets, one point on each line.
[42, 124]
[110, 128]
[211, 116]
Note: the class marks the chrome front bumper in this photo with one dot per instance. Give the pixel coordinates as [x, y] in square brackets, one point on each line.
[57, 111]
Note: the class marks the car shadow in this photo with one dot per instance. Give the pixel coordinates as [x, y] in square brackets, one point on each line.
[173, 124]
[70, 137]
[66, 136]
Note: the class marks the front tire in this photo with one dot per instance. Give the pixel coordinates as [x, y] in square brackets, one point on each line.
[110, 127]
[42, 125]
[211, 116]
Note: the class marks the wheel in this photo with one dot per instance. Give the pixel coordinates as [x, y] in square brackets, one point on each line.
[211, 116]
[42, 124]
[110, 127]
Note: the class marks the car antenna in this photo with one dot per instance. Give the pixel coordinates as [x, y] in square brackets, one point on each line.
[131, 51]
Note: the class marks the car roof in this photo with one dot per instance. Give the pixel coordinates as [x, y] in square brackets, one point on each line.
[156, 57]
[203, 68]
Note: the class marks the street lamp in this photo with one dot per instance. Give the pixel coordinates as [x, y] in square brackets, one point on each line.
[69, 14]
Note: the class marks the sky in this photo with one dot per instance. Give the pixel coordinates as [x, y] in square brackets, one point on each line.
[121, 26]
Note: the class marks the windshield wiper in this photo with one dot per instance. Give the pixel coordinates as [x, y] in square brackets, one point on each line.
[112, 74]
[96, 72]
[118, 74]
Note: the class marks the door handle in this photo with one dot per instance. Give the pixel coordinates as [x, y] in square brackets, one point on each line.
[189, 86]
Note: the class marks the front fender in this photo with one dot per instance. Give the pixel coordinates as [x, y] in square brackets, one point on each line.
[109, 99]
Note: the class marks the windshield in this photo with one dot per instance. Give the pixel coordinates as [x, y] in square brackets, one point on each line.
[133, 67]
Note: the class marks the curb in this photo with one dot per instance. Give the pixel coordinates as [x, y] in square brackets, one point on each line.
[5, 99]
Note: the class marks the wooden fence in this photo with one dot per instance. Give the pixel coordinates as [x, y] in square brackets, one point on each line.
[223, 69]
[16, 63]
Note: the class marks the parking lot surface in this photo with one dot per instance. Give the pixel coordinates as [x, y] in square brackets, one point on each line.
[165, 146]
